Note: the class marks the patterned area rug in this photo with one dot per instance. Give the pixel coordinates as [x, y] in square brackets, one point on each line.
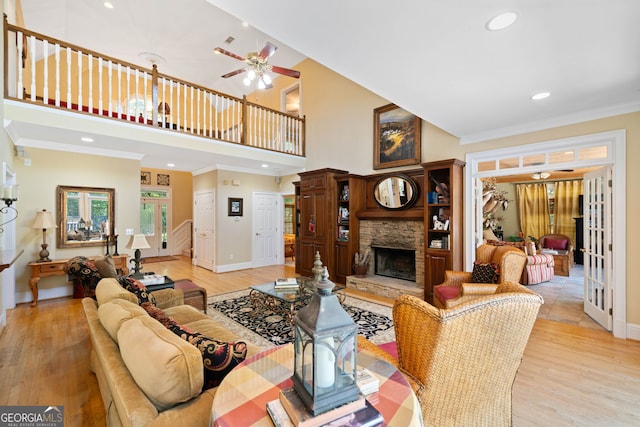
[235, 312]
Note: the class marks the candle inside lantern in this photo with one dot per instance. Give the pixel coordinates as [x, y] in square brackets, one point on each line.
[325, 363]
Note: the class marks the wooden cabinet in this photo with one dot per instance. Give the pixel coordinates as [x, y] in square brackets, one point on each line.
[349, 200]
[443, 219]
[317, 227]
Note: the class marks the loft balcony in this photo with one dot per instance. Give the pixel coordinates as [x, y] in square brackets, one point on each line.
[44, 72]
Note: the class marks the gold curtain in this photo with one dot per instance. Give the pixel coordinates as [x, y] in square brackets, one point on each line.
[533, 209]
[566, 207]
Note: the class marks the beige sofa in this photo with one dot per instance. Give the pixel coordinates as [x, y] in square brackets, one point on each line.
[147, 375]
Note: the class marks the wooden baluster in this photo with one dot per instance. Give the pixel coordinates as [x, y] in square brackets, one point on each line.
[69, 99]
[45, 71]
[18, 89]
[57, 95]
[79, 56]
[170, 103]
[126, 107]
[90, 78]
[110, 87]
[32, 41]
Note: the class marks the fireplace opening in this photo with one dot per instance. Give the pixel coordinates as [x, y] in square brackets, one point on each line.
[394, 262]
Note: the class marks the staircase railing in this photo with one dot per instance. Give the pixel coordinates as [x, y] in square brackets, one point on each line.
[45, 71]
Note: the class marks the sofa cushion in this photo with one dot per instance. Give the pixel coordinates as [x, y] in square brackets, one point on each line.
[114, 313]
[106, 267]
[218, 357]
[138, 289]
[484, 272]
[173, 374]
[110, 289]
[560, 244]
[85, 271]
[444, 293]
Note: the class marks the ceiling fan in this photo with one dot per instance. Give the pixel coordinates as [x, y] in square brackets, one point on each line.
[545, 175]
[258, 66]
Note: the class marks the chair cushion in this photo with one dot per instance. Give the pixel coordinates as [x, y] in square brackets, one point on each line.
[560, 244]
[444, 293]
[484, 272]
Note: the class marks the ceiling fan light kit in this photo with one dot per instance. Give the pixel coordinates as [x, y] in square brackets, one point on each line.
[540, 175]
[258, 66]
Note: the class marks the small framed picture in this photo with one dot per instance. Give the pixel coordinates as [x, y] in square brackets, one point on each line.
[145, 178]
[235, 206]
[163, 179]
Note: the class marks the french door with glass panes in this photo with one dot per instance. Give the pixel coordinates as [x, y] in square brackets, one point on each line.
[155, 222]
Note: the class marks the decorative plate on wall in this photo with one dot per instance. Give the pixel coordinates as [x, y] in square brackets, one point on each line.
[163, 179]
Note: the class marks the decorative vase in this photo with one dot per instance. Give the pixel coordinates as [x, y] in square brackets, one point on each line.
[360, 270]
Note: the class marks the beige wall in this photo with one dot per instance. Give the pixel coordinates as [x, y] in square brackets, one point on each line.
[38, 184]
[234, 237]
[181, 185]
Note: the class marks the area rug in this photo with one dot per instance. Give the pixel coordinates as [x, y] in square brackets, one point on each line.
[235, 312]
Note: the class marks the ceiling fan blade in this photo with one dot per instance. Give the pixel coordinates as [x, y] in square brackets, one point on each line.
[226, 52]
[234, 73]
[268, 50]
[285, 71]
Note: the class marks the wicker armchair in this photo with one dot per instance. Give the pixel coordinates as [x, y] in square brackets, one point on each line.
[462, 362]
[510, 260]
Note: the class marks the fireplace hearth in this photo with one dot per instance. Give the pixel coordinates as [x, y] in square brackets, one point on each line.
[395, 262]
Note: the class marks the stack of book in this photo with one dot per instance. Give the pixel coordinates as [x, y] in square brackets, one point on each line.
[289, 283]
[288, 410]
[367, 382]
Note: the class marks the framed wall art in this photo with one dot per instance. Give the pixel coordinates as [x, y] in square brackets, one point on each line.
[235, 206]
[145, 178]
[396, 137]
[163, 179]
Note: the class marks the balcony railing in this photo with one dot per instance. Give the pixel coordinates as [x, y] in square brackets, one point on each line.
[46, 71]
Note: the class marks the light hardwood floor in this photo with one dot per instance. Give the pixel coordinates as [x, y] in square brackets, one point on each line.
[569, 376]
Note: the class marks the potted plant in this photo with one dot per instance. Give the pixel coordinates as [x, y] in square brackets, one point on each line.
[361, 263]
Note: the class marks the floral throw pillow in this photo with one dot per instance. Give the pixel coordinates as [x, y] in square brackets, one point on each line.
[137, 288]
[218, 357]
[85, 271]
[484, 272]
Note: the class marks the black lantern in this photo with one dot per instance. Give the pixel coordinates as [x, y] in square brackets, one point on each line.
[324, 373]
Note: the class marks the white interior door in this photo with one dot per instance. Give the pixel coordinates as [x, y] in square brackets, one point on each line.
[265, 244]
[598, 292]
[204, 220]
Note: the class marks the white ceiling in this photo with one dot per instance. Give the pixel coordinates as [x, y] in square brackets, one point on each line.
[432, 57]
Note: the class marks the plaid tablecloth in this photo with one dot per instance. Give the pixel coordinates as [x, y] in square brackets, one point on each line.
[242, 396]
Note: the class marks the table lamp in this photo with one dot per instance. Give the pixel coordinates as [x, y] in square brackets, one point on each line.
[44, 220]
[137, 242]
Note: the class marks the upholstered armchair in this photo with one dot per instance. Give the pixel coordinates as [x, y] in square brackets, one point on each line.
[558, 242]
[509, 259]
[462, 362]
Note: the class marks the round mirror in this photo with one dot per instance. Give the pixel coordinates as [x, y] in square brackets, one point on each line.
[395, 192]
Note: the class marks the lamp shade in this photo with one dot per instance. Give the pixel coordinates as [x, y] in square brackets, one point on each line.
[138, 241]
[44, 220]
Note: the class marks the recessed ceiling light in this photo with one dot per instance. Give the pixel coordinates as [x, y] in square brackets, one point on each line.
[264, 165]
[541, 95]
[108, 5]
[501, 21]
[245, 24]
[171, 165]
[86, 139]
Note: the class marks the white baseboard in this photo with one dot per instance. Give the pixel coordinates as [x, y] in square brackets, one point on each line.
[232, 267]
[43, 294]
[633, 332]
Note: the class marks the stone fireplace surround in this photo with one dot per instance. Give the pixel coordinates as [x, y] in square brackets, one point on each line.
[392, 233]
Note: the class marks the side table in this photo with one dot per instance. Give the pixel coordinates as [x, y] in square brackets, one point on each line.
[56, 268]
[243, 394]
